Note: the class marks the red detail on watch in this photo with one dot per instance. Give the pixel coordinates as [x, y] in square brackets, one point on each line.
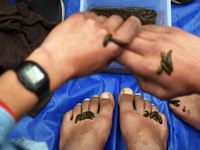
[8, 110]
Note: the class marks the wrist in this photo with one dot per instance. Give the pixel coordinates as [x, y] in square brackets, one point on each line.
[52, 66]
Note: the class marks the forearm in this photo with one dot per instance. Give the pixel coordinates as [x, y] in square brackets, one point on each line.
[18, 98]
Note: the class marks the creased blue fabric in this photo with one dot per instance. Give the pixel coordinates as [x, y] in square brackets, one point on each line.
[46, 126]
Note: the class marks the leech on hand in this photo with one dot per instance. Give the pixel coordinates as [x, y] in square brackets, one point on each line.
[169, 61]
[166, 63]
[116, 41]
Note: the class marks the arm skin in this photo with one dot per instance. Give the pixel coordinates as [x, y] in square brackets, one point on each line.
[73, 49]
[143, 57]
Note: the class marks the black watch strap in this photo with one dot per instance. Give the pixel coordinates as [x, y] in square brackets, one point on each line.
[40, 88]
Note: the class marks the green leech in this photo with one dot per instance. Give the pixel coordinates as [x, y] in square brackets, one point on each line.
[160, 70]
[118, 42]
[169, 60]
[107, 39]
[174, 101]
[164, 58]
[165, 67]
[85, 115]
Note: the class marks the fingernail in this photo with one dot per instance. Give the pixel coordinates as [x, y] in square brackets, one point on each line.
[146, 99]
[152, 104]
[87, 99]
[105, 96]
[128, 91]
[95, 96]
[79, 104]
[137, 94]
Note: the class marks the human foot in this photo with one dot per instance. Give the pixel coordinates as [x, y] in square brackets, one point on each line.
[138, 131]
[88, 134]
[188, 110]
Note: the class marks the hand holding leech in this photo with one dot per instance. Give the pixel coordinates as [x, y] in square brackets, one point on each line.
[143, 57]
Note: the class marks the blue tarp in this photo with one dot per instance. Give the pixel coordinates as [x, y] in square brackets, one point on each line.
[46, 126]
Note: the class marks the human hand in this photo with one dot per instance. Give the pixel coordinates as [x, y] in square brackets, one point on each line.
[143, 58]
[75, 47]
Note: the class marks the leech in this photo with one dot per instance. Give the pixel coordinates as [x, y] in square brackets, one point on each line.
[175, 102]
[153, 115]
[160, 70]
[85, 115]
[107, 39]
[169, 61]
[118, 42]
[166, 63]
[164, 59]
[165, 67]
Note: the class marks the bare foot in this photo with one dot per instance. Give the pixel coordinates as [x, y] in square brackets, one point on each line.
[88, 134]
[138, 131]
[189, 109]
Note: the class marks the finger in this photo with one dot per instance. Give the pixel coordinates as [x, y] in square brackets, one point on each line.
[133, 61]
[101, 19]
[154, 108]
[113, 23]
[157, 29]
[151, 87]
[143, 46]
[139, 103]
[89, 14]
[128, 30]
[147, 105]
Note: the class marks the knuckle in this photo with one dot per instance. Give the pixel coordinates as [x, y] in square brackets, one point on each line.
[117, 17]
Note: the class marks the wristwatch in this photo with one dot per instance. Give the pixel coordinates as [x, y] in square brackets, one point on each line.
[33, 77]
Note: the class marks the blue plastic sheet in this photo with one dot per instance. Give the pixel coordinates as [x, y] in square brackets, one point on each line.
[46, 126]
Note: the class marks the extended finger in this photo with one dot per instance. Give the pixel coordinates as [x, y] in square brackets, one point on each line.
[157, 28]
[151, 87]
[128, 30]
[134, 62]
[113, 23]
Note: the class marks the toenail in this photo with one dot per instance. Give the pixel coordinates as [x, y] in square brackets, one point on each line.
[95, 96]
[105, 96]
[128, 91]
[87, 99]
[79, 104]
[146, 99]
[137, 94]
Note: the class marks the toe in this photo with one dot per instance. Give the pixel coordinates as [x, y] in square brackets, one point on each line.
[85, 105]
[147, 105]
[76, 110]
[139, 103]
[107, 104]
[68, 116]
[94, 104]
[125, 99]
[154, 108]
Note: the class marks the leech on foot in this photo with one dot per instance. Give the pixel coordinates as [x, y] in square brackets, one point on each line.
[85, 115]
[153, 115]
[175, 102]
[118, 42]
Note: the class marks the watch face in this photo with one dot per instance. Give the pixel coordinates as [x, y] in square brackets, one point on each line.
[33, 74]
